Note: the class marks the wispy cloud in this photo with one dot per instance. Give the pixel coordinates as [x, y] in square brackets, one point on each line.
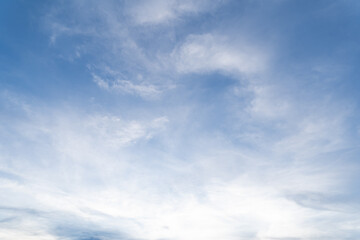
[162, 12]
[150, 202]
[181, 120]
[209, 52]
[144, 90]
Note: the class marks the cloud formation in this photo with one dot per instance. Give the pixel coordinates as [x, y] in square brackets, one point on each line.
[209, 52]
[162, 12]
[180, 120]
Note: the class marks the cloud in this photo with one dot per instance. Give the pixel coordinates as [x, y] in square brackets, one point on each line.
[30, 221]
[273, 164]
[211, 52]
[314, 136]
[144, 90]
[88, 175]
[162, 11]
[127, 66]
[267, 102]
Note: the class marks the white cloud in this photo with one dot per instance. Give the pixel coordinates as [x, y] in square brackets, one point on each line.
[163, 11]
[144, 90]
[154, 179]
[209, 52]
[316, 134]
[218, 192]
[268, 102]
[8, 234]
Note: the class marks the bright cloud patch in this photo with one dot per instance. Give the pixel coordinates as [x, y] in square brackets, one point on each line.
[206, 53]
[161, 11]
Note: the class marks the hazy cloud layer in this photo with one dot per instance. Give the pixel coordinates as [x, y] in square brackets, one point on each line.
[179, 120]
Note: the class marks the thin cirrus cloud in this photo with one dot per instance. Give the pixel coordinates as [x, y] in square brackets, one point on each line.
[162, 12]
[211, 52]
[180, 120]
[143, 90]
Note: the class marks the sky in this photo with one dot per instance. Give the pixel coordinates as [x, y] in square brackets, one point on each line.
[179, 120]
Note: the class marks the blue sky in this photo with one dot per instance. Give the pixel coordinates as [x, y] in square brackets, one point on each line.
[179, 120]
